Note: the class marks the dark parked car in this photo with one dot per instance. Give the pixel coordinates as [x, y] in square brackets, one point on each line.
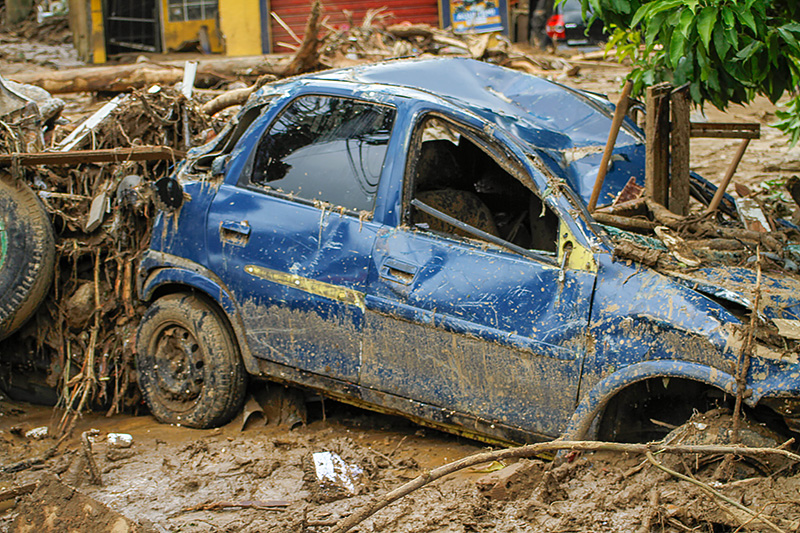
[568, 25]
[413, 237]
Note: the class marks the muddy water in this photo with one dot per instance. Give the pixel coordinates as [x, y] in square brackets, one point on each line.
[169, 471]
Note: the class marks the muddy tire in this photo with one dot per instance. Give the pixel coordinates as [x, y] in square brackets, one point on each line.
[27, 254]
[189, 368]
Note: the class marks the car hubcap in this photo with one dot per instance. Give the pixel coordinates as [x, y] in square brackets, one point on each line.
[180, 364]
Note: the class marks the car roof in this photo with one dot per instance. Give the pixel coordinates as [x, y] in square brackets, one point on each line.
[541, 113]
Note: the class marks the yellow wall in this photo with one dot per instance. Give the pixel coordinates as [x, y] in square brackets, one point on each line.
[98, 39]
[240, 25]
[177, 33]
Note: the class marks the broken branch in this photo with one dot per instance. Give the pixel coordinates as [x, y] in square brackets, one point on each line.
[707, 489]
[532, 450]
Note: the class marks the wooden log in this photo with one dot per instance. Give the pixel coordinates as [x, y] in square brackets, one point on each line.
[404, 31]
[234, 97]
[120, 78]
[637, 225]
[679, 141]
[657, 134]
[77, 157]
[725, 130]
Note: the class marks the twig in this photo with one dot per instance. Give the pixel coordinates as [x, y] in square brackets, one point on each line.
[742, 366]
[537, 449]
[705, 488]
[94, 472]
[269, 505]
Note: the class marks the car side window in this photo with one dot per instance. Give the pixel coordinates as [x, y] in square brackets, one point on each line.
[454, 175]
[325, 149]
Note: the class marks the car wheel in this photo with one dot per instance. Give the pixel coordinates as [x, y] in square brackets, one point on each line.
[189, 368]
[27, 253]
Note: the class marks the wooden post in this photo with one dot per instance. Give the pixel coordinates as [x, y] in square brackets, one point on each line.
[679, 142]
[616, 124]
[657, 132]
[728, 176]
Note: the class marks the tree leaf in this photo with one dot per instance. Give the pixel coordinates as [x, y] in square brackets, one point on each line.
[728, 17]
[748, 51]
[623, 6]
[677, 46]
[705, 24]
[746, 17]
[721, 43]
[686, 23]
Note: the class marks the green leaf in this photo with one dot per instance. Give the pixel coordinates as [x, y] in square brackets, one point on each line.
[677, 46]
[705, 24]
[721, 43]
[728, 17]
[789, 38]
[639, 15]
[748, 51]
[692, 5]
[654, 26]
[746, 17]
[622, 6]
[732, 36]
[686, 23]
[793, 27]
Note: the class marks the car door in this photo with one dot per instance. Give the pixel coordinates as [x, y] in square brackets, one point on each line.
[291, 236]
[456, 321]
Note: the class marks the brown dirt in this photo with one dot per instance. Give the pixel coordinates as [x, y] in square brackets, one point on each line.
[170, 472]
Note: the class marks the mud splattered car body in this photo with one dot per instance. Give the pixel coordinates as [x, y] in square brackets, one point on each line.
[412, 237]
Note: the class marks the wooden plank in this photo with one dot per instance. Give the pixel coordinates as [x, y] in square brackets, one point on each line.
[725, 130]
[616, 124]
[679, 143]
[76, 157]
[657, 134]
[728, 176]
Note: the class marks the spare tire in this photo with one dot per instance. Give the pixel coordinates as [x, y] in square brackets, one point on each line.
[27, 253]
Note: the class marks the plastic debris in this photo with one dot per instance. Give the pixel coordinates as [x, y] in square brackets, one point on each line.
[37, 433]
[119, 440]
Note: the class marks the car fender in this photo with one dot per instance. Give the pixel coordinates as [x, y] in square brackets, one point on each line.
[596, 399]
[193, 280]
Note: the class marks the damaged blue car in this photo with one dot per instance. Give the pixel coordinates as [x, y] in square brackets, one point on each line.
[412, 237]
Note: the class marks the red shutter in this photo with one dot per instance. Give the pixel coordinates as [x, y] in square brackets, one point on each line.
[295, 14]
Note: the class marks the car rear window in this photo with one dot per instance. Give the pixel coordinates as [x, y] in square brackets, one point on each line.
[326, 149]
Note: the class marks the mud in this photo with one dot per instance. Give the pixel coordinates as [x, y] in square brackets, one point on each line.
[263, 479]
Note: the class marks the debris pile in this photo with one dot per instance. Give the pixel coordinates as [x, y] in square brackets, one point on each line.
[102, 216]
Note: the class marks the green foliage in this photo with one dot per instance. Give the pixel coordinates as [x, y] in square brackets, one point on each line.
[728, 51]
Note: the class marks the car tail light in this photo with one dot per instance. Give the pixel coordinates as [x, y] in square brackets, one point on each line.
[555, 27]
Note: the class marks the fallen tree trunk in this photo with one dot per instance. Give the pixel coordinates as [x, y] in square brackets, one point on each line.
[234, 97]
[119, 78]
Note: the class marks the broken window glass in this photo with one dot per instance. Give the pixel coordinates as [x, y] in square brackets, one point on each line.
[326, 149]
[454, 176]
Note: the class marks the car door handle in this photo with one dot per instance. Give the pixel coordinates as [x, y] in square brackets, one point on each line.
[398, 271]
[234, 226]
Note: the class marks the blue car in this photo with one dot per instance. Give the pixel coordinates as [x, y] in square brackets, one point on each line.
[412, 237]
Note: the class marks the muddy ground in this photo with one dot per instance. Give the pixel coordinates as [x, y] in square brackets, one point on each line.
[263, 478]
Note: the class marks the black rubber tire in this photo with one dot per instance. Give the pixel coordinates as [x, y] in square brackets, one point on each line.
[27, 253]
[188, 363]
